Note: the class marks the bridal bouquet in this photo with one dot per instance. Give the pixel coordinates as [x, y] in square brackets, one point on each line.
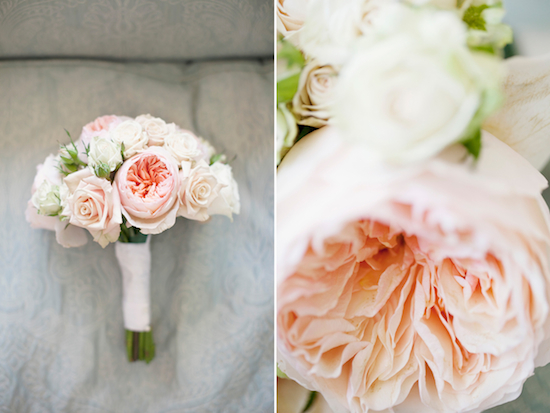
[413, 243]
[123, 180]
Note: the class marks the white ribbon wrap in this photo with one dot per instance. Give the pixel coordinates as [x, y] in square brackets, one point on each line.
[135, 265]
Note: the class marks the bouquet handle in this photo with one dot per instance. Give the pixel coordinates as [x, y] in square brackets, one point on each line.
[134, 260]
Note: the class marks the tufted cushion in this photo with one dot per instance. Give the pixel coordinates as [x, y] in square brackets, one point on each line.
[136, 29]
[61, 330]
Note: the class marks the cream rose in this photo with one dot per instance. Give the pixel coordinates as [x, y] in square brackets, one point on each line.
[130, 134]
[104, 156]
[315, 93]
[290, 17]
[228, 201]
[414, 92]
[156, 129]
[93, 203]
[199, 187]
[422, 288]
[46, 199]
[184, 146]
[148, 184]
[99, 127]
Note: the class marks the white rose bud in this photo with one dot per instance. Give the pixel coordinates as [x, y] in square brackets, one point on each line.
[228, 202]
[314, 96]
[183, 146]
[156, 129]
[199, 188]
[46, 199]
[130, 133]
[104, 156]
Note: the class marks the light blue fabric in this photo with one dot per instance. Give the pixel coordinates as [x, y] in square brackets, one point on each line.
[62, 343]
[137, 29]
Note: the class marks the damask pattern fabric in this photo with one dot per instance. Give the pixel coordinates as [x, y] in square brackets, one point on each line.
[61, 329]
[136, 29]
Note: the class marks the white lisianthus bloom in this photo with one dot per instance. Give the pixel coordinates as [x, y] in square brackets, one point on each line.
[199, 187]
[228, 201]
[415, 87]
[417, 288]
[156, 129]
[66, 235]
[130, 133]
[287, 130]
[184, 146]
[104, 156]
[46, 199]
[315, 93]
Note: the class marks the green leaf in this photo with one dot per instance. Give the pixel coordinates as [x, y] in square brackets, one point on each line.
[281, 374]
[473, 144]
[215, 158]
[287, 88]
[473, 17]
[312, 397]
[292, 55]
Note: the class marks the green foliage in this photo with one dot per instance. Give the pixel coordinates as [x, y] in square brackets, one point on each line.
[291, 54]
[216, 158]
[287, 88]
[131, 234]
[473, 17]
[473, 144]
[281, 374]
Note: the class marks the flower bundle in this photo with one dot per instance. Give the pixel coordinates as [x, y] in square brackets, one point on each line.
[413, 247]
[123, 180]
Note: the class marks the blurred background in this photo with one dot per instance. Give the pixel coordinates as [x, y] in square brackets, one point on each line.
[530, 20]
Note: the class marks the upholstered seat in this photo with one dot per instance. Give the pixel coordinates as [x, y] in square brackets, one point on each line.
[62, 343]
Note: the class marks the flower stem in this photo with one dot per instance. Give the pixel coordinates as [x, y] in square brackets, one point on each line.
[140, 346]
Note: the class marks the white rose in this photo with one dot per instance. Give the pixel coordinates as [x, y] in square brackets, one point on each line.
[228, 202]
[415, 90]
[333, 26]
[94, 204]
[315, 93]
[46, 199]
[418, 288]
[156, 129]
[184, 146]
[199, 187]
[290, 17]
[104, 156]
[130, 133]
[287, 130]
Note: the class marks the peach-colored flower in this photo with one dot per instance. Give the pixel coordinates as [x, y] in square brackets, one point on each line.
[93, 203]
[148, 185]
[419, 289]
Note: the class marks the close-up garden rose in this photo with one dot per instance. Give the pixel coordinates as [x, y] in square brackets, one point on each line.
[290, 17]
[148, 185]
[422, 288]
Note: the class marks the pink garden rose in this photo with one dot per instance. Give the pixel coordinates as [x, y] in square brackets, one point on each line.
[418, 289]
[93, 203]
[148, 185]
